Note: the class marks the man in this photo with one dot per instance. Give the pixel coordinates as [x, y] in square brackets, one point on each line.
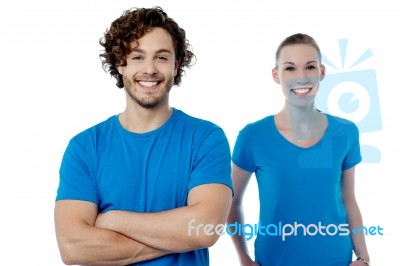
[141, 186]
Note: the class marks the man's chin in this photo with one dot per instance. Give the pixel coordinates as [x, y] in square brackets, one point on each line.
[149, 106]
[153, 103]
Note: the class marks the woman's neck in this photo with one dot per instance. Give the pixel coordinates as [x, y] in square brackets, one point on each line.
[302, 123]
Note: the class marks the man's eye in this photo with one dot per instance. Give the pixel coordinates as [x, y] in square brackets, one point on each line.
[137, 57]
[162, 58]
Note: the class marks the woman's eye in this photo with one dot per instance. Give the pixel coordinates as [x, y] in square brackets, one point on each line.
[138, 57]
[289, 68]
[311, 67]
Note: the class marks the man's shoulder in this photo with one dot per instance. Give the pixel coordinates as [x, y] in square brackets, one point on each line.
[95, 130]
[196, 122]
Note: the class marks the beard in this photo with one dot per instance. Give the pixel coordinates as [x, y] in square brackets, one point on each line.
[149, 101]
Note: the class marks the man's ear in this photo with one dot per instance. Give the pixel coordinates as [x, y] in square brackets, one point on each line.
[275, 76]
[323, 71]
[176, 67]
[120, 69]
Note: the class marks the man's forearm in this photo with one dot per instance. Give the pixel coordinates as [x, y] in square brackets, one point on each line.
[177, 230]
[164, 230]
[98, 247]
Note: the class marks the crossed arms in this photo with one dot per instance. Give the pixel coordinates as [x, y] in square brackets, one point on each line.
[119, 237]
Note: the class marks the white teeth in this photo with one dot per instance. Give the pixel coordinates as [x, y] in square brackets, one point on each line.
[148, 83]
[301, 91]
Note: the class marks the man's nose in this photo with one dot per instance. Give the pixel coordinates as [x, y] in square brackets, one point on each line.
[150, 67]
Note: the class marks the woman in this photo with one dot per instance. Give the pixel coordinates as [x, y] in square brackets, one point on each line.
[304, 162]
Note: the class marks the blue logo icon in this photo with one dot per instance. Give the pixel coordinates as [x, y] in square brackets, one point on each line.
[353, 95]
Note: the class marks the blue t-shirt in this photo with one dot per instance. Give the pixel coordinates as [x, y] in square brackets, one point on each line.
[299, 191]
[151, 172]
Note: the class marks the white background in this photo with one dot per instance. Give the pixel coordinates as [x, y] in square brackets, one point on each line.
[52, 86]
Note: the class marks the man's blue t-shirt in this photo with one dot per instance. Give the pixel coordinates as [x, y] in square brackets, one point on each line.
[300, 188]
[150, 172]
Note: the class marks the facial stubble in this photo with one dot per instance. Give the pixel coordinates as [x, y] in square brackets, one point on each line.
[148, 101]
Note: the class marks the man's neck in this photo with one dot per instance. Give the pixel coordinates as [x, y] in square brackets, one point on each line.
[141, 120]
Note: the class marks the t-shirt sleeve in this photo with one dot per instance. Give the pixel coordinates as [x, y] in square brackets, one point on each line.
[211, 161]
[242, 155]
[76, 174]
[353, 156]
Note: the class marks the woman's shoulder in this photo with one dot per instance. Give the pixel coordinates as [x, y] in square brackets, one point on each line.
[341, 123]
[261, 124]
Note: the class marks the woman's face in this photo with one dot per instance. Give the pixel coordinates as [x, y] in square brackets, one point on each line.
[299, 72]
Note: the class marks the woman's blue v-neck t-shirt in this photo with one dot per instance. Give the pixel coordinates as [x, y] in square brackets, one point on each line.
[302, 217]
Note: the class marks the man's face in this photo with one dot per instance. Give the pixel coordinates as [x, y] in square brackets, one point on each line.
[150, 69]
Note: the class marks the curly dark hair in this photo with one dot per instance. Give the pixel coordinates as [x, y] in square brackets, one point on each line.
[130, 27]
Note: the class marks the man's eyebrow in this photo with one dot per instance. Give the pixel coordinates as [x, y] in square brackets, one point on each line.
[138, 50]
[163, 51]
